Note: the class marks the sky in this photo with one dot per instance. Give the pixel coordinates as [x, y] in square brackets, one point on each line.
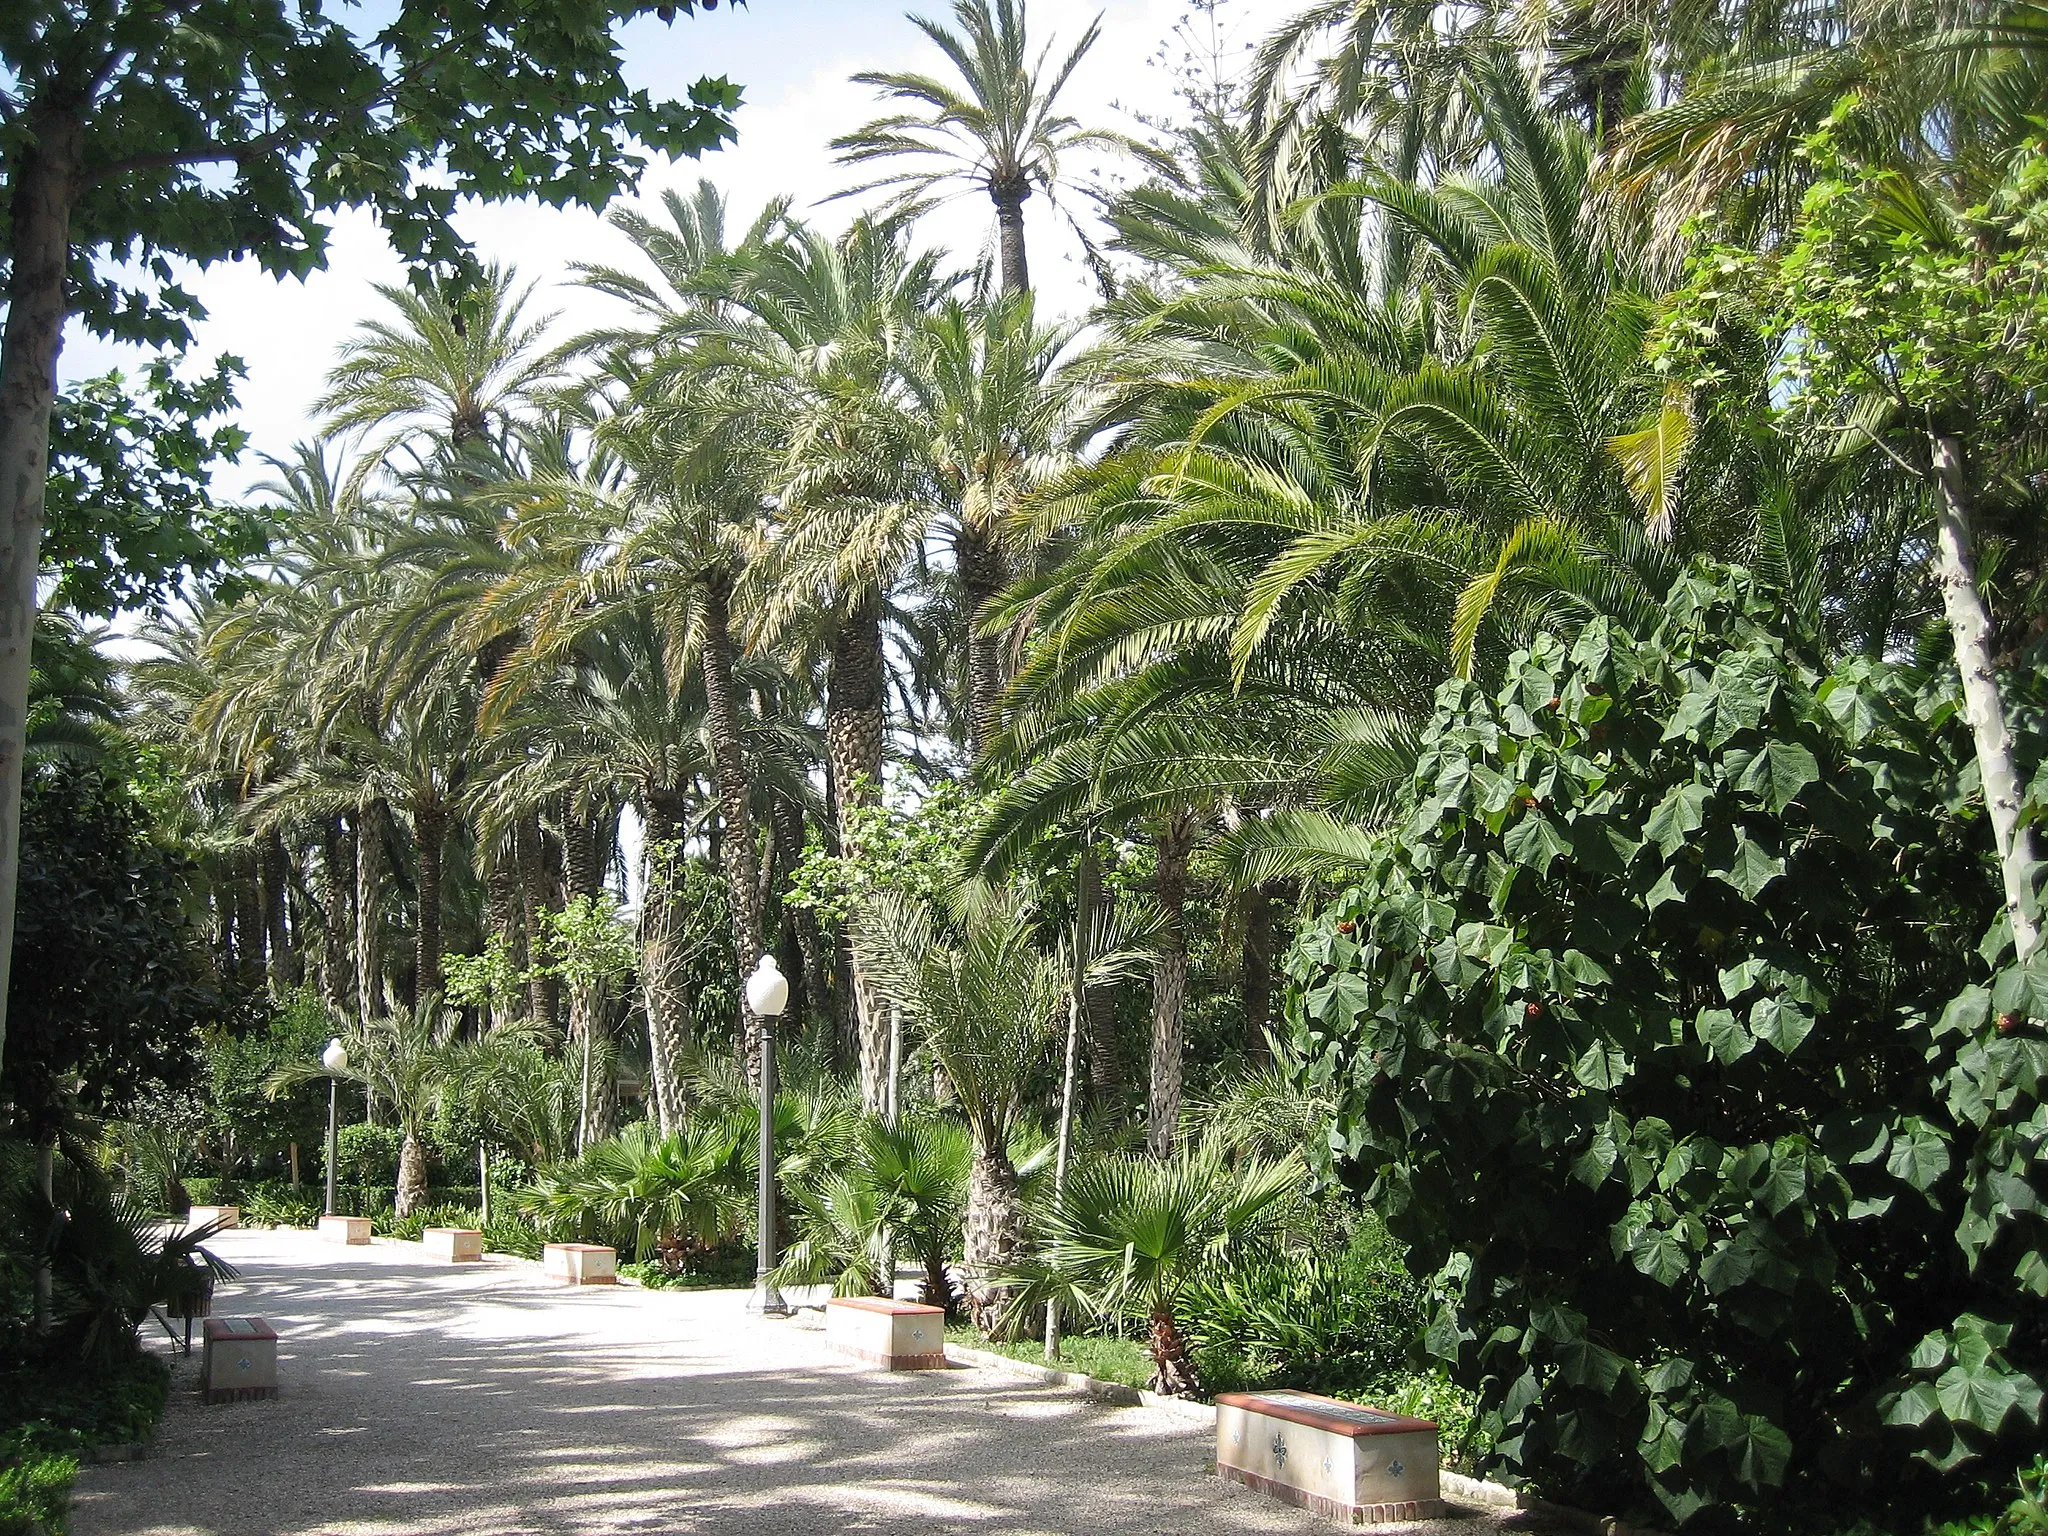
[793, 59]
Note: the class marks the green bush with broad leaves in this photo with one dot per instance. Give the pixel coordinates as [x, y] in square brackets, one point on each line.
[1665, 1030]
[367, 1154]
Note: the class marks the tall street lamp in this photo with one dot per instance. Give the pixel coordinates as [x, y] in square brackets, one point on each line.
[335, 1060]
[767, 996]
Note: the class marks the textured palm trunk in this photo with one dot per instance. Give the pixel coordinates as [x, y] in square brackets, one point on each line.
[1008, 195]
[1098, 1018]
[1969, 625]
[801, 921]
[532, 895]
[44, 164]
[738, 851]
[412, 1176]
[250, 947]
[501, 898]
[1256, 982]
[337, 944]
[661, 973]
[853, 737]
[276, 875]
[430, 832]
[1173, 1371]
[983, 575]
[993, 1232]
[369, 909]
[1169, 985]
[590, 1033]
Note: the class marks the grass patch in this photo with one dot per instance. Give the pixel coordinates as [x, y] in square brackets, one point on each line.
[1101, 1355]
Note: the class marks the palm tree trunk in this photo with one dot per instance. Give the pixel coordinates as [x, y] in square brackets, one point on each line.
[993, 1233]
[983, 575]
[275, 874]
[1969, 624]
[1009, 200]
[337, 875]
[430, 832]
[532, 888]
[412, 1176]
[853, 737]
[369, 880]
[801, 921]
[661, 971]
[44, 175]
[253, 947]
[501, 897]
[1169, 984]
[738, 853]
[1173, 1372]
[1256, 982]
[1105, 1067]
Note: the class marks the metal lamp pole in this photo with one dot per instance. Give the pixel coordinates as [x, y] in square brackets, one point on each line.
[335, 1060]
[767, 996]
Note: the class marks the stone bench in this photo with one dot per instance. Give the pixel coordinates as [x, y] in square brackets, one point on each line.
[580, 1263]
[458, 1245]
[225, 1216]
[345, 1229]
[240, 1359]
[1358, 1465]
[895, 1335]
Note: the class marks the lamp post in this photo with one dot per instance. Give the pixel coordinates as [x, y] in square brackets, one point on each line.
[335, 1060]
[767, 996]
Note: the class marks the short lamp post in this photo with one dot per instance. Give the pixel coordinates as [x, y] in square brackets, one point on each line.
[335, 1060]
[767, 996]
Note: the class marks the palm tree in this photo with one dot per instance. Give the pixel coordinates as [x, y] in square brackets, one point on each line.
[660, 1192]
[1129, 1235]
[998, 130]
[438, 371]
[986, 1004]
[901, 1189]
[409, 1060]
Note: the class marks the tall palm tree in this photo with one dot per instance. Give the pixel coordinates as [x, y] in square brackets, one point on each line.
[997, 130]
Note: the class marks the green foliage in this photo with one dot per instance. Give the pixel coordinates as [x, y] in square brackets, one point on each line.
[1130, 1236]
[48, 1403]
[128, 513]
[111, 981]
[367, 1154]
[1106, 1356]
[916, 851]
[410, 1228]
[587, 945]
[649, 1193]
[274, 1206]
[901, 1193]
[35, 1490]
[239, 1067]
[1652, 1031]
[1314, 1315]
[487, 981]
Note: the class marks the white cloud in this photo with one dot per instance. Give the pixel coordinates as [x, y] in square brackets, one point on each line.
[793, 58]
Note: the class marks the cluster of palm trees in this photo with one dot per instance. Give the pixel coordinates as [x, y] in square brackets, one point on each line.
[1374, 395]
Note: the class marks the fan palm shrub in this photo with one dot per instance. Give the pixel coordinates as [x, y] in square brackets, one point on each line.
[903, 1189]
[1129, 1237]
[658, 1194]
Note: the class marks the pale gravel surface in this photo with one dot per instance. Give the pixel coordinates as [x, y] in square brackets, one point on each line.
[424, 1398]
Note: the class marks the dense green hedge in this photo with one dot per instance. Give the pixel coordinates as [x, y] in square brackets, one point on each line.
[1661, 1032]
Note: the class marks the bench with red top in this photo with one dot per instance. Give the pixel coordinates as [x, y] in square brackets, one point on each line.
[580, 1263]
[895, 1335]
[1344, 1461]
[239, 1360]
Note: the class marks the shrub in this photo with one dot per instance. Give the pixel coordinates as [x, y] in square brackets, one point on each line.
[411, 1228]
[35, 1490]
[1344, 1320]
[368, 1154]
[1658, 1030]
[508, 1234]
[279, 1205]
[54, 1405]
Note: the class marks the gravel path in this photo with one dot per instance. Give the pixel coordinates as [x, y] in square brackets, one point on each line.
[423, 1398]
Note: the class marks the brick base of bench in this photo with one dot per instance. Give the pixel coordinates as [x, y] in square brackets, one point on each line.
[1333, 1509]
[882, 1362]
